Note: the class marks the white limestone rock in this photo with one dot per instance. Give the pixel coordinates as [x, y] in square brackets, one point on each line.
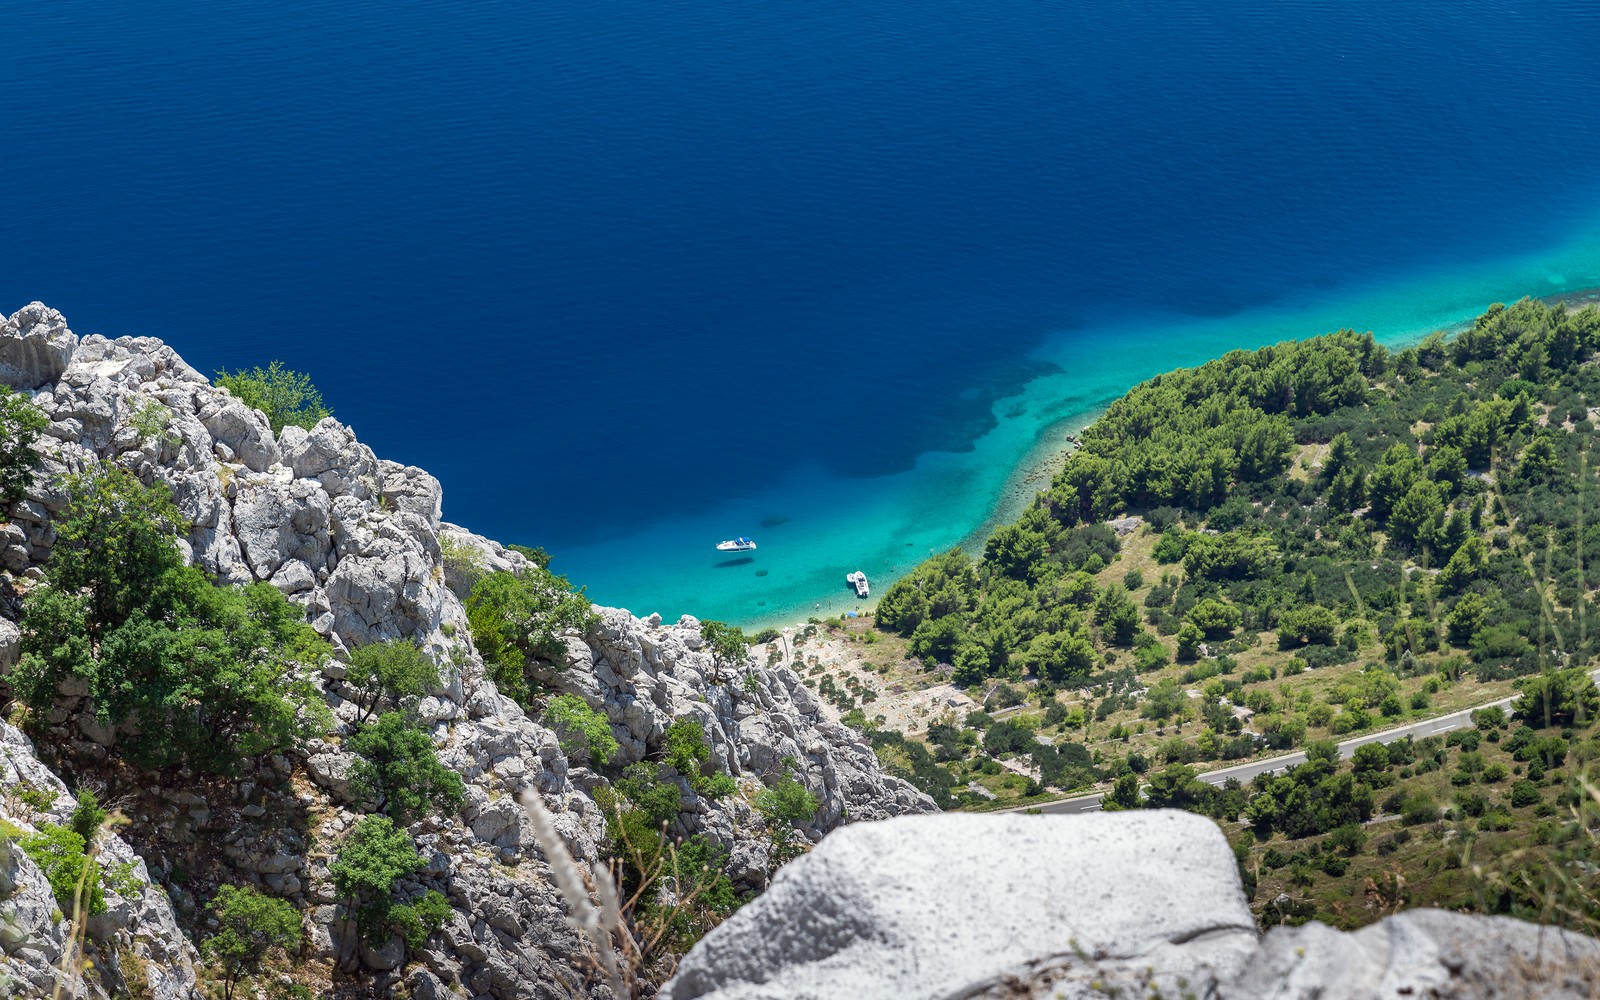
[1085, 907]
[412, 490]
[1422, 953]
[278, 523]
[330, 454]
[35, 347]
[242, 430]
[140, 922]
[933, 906]
[10, 645]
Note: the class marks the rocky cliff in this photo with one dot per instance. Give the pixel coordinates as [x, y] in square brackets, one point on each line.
[360, 544]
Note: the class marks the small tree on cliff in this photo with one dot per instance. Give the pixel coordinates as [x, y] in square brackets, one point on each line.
[20, 424]
[398, 768]
[398, 671]
[251, 925]
[519, 621]
[726, 643]
[286, 397]
[211, 674]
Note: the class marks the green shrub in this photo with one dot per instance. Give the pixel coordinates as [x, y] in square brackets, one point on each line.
[20, 424]
[1524, 793]
[584, 733]
[519, 621]
[59, 853]
[397, 671]
[152, 422]
[414, 921]
[1419, 809]
[38, 799]
[788, 801]
[538, 556]
[460, 559]
[372, 859]
[249, 925]
[397, 767]
[87, 816]
[719, 786]
[687, 750]
[212, 674]
[726, 643]
[286, 397]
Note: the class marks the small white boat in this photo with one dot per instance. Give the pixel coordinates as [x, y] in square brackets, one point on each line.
[740, 544]
[858, 580]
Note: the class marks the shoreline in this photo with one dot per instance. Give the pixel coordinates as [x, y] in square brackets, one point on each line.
[1038, 467]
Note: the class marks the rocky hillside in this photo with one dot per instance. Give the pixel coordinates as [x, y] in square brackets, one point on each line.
[359, 543]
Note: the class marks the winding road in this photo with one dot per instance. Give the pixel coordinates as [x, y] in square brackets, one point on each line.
[1245, 772]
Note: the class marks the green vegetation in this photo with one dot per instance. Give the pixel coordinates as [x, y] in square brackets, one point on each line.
[286, 397]
[398, 770]
[153, 423]
[1335, 539]
[1493, 819]
[727, 644]
[397, 671]
[584, 733]
[787, 802]
[681, 889]
[87, 816]
[212, 674]
[20, 425]
[517, 622]
[372, 860]
[249, 925]
[688, 752]
[679, 882]
[535, 554]
[783, 804]
[62, 855]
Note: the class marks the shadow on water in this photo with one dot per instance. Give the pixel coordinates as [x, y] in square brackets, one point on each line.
[774, 521]
[741, 561]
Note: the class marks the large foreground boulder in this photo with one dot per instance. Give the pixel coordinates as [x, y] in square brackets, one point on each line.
[1112, 904]
[952, 905]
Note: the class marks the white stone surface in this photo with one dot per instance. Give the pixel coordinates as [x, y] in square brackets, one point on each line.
[926, 906]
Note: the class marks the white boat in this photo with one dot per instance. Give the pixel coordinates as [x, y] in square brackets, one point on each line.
[858, 580]
[740, 544]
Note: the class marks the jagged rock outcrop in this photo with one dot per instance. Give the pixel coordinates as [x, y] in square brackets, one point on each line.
[360, 544]
[135, 946]
[1078, 907]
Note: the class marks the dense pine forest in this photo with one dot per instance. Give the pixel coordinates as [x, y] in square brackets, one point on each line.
[1283, 549]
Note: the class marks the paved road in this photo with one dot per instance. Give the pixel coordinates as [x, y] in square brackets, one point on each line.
[1245, 772]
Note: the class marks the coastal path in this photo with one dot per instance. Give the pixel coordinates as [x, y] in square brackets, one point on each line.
[1245, 772]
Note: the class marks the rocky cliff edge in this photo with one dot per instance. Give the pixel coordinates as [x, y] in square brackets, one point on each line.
[360, 544]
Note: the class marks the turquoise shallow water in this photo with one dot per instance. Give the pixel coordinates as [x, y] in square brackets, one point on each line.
[814, 527]
[633, 277]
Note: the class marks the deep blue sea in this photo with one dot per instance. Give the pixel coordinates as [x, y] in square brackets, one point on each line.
[634, 276]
